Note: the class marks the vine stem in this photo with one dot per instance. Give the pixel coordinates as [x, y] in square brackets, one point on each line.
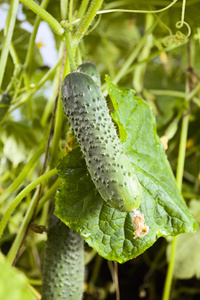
[179, 180]
[14, 55]
[137, 11]
[183, 13]
[11, 19]
[70, 13]
[64, 8]
[70, 52]
[179, 177]
[22, 233]
[28, 94]
[21, 195]
[50, 103]
[193, 92]
[174, 93]
[116, 278]
[29, 54]
[59, 114]
[51, 191]
[43, 14]
[87, 20]
[83, 8]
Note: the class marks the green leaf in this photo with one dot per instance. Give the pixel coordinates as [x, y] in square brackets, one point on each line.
[13, 284]
[187, 259]
[19, 139]
[107, 230]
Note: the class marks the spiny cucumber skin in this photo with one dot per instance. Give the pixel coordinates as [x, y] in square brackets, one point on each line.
[91, 70]
[107, 163]
[63, 270]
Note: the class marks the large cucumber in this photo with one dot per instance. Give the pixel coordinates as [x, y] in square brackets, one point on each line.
[63, 270]
[107, 163]
[91, 70]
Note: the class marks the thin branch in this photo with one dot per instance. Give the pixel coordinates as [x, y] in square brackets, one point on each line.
[116, 281]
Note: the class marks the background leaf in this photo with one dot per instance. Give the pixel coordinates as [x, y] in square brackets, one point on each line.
[19, 139]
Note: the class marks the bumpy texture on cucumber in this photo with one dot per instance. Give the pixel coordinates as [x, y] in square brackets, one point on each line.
[107, 163]
[91, 70]
[63, 270]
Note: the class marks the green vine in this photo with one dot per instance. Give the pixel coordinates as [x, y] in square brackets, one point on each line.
[179, 180]
[21, 177]
[29, 214]
[86, 21]
[43, 14]
[137, 11]
[8, 37]
[20, 197]
[31, 45]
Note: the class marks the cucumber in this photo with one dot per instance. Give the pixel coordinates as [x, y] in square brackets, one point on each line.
[106, 161]
[91, 70]
[63, 269]
[4, 104]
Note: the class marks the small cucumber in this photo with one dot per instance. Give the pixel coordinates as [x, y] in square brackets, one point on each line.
[91, 70]
[63, 269]
[107, 163]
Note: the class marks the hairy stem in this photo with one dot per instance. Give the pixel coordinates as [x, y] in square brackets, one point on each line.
[87, 20]
[70, 52]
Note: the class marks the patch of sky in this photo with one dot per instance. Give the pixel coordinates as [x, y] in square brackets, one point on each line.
[48, 50]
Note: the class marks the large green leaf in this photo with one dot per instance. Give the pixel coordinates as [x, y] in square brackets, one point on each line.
[107, 230]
